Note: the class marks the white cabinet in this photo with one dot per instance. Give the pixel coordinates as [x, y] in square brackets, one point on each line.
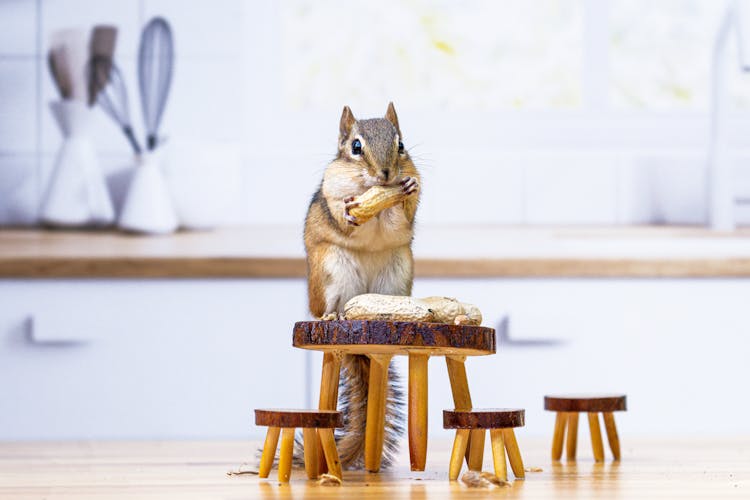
[678, 348]
[192, 358]
[146, 359]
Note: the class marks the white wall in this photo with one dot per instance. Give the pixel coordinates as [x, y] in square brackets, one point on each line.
[588, 164]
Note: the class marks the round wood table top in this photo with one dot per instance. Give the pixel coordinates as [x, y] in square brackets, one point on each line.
[586, 402]
[394, 337]
[319, 419]
[484, 418]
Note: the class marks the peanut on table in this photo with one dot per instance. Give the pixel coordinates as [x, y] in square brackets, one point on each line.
[397, 308]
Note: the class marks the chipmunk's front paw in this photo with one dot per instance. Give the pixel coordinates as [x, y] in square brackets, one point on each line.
[410, 185]
[350, 203]
[329, 317]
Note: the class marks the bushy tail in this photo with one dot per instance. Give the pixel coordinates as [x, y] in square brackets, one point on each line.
[350, 440]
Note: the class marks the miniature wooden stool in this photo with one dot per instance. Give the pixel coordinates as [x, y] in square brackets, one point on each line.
[568, 407]
[286, 421]
[500, 422]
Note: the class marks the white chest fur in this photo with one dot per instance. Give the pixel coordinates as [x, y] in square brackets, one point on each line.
[350, 272]
[389, 229]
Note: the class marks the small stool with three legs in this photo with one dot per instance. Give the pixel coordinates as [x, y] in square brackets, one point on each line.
[500, 422]
[568, 407]
[315, 424]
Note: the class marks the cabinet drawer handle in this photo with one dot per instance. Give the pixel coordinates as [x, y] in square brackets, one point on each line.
[44, 337]
[504, 339]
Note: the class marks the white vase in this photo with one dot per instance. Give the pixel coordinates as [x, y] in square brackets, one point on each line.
[148, 206]
[77, 192]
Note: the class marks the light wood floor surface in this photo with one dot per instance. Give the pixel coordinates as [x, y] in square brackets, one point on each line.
[675, 468]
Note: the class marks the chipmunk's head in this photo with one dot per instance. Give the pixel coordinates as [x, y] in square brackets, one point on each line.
[374, 144]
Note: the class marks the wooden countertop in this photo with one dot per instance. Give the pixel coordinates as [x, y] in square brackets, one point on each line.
[687, 467]
[446, 251]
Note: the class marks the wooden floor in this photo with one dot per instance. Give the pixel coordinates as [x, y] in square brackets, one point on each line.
[650, 469]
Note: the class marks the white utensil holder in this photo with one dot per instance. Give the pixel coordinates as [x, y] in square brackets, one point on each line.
[148, 206]
[76, 194]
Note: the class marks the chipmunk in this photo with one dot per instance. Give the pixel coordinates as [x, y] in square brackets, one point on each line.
[346, 257]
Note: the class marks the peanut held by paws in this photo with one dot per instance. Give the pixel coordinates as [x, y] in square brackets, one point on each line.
[373, 201]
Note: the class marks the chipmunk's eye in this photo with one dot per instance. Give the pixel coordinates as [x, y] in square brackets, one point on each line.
[400, 147]
[356, 147]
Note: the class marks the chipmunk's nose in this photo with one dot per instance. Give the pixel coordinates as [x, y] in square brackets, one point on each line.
[386, 173]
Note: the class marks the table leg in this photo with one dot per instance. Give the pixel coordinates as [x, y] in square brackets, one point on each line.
[418, 410]
[462, 401]
[459, 383]
[329, 393]
[329, 381]
[376, 397]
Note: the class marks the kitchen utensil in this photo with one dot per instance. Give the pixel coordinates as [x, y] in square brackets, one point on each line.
[58, 68]
[77, 192]
[113, 96]
[102, 45]
[69, 54]
[148, 206]
[155, 60]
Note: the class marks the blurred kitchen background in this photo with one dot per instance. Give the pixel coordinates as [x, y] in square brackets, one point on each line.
[547, 113]
[568, 112]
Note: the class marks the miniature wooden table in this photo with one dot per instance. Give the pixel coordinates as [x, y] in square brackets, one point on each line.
[380, 341]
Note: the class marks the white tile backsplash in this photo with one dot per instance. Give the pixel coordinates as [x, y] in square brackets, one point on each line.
[205, 30]
[741, 172]
[679, 188]
[742, 189]
[278, 188]
[18, 28]
[205, 101]
[742, 214]
[18, 107]
[18, 189]
[636, 193]
[571, 189]
[471, 188]
[206, 180]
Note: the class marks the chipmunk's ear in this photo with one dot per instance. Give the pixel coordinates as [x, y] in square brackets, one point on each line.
[346, 123]
[390, 115]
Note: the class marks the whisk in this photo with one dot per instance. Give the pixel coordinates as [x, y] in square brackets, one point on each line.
[113, 96]
[155, 61]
